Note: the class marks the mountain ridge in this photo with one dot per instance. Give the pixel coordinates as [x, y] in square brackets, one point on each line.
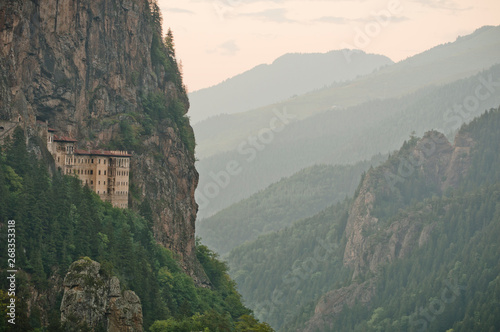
[455, 60]
[288, 75]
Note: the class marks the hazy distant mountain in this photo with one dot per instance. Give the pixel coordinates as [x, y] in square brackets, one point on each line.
[289, 75]
[344, 135]
[439, 65]
[350, 134]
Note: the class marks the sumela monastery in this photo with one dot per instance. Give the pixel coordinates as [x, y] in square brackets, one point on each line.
[105, 172]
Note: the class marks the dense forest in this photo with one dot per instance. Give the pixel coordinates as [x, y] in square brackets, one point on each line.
[282, 203]
[449, 282]
[59, 221]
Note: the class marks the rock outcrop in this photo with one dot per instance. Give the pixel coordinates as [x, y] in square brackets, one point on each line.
[94, 299]
[87, 67]
[433, 159]
[334, 302]
[373, 241]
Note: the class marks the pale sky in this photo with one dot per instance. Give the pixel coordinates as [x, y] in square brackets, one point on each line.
[217, 39]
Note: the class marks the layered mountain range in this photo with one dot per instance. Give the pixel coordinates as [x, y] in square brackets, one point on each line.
[350, 122]
[418, 222]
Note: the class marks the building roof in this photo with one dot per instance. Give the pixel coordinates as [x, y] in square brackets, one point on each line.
[103, 153]
[63, 139]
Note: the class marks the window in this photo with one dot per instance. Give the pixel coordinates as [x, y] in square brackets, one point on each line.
[92, 161]
[91, 182]
[104, 172]
[104, 182]
[99, 182]
[99, 172]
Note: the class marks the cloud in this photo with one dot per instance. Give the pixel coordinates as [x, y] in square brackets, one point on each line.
[392, 19]
[332, 19]
[344, 20]
[442, 4]
[228, 48]
[177, 10]
[276, 15]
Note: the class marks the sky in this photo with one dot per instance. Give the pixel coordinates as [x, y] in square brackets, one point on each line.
[218, 39]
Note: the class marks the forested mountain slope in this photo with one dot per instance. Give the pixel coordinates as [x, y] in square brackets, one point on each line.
[302, 195]
[101, 74]
[116, 88]
[347, 135]
[57, 221]
[421, 225]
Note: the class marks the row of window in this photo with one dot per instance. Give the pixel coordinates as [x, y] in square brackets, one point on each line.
[91, 172]
[121, 162]
[104, 183]
[115, 193]
[85, 172]
[73, 161]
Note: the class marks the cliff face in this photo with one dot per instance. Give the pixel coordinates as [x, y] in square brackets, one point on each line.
[438, 164]
[86, 67]
[333, 303]
[373, 240]
[93, 299]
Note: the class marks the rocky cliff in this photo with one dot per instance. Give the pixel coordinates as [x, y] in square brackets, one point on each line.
[88, 68]
[93, 299]
[430, 164]
[427, 165]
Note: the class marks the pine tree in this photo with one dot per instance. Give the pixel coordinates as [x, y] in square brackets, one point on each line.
[169, 43]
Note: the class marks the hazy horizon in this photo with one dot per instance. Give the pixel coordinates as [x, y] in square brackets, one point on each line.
[219, 39]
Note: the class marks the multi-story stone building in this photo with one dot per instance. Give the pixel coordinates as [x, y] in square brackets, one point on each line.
[105, 172]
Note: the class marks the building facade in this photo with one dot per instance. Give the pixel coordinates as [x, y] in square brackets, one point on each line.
[105, 172]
